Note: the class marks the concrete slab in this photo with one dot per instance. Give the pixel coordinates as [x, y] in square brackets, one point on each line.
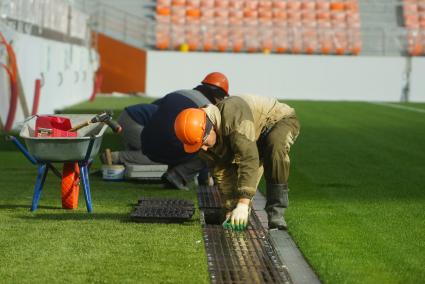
[299, 270]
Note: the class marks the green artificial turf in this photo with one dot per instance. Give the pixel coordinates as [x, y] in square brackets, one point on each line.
[357, 199]
[413, 105]
[357, 208]
[53, 245]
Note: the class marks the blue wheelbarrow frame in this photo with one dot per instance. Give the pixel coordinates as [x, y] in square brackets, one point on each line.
[71, 150]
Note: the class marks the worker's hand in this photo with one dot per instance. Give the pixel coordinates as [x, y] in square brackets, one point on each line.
[226, 223]
[239, 217]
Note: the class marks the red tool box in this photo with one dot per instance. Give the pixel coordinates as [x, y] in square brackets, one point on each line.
[53, 126]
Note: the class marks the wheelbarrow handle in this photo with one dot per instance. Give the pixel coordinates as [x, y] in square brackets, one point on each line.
[79, 126]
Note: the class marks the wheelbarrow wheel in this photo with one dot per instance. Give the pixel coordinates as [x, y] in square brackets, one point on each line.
[70, 185]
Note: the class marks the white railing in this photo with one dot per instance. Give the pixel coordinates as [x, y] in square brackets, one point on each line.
[122, 25]
[387, 41]
[140, 31]
[53, 15]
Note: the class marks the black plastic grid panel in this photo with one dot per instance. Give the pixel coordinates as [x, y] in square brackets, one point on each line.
[240, 257]
[209, 197]
[156, 210]
[162, 202]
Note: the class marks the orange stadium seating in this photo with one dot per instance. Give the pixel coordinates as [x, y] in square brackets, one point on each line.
[414, 19]
[280, 26]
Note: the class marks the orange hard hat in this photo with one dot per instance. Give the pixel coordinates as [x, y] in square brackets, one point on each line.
[190, 125]
[217, 79]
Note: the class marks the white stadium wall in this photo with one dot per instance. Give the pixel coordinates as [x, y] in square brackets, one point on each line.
[67, 69]
[417, 80]
[351, 78]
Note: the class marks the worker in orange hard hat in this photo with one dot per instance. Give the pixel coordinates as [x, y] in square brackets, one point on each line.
[148, 130]
[192, 128]
[241, 137]
[218, 82]
[215, 87]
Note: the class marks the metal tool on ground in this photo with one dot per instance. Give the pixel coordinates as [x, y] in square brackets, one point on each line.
[163, 210]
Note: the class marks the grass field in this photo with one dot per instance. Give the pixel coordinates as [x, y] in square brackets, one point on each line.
[357, 204]
[357, 208]
[414, 105]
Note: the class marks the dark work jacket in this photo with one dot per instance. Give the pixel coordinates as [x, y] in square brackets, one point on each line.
[141, 113]
[159, 140]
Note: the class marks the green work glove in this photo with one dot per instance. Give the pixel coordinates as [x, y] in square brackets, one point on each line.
[239, 217]
[226, 223]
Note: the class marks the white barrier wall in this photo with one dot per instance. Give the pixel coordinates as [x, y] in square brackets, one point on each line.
[67, 70]
[417, 80]
[361, 78]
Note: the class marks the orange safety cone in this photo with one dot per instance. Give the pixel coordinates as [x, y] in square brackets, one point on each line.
[70, 185]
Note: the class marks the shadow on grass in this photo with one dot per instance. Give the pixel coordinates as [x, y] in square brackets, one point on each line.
[18, 206]
[76, 216]
[121, 217]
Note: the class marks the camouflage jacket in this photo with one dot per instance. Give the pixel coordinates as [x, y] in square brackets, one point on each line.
[239, 121]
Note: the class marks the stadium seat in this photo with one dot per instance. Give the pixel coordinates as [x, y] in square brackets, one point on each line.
[414, 20]
[181, 3]
[163, 10]
[295, 26]
[162, 36]
[323, 5]
[163, 3]
[354, 41]
[415, 42]
[207, 40]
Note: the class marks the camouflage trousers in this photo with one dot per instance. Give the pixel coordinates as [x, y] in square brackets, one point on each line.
[273, 149]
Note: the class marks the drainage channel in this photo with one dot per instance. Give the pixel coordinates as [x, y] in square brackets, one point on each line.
[238, 257]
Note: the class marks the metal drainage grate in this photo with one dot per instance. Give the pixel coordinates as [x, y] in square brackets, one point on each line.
[210, 205]
[241, 257]
[165, 210]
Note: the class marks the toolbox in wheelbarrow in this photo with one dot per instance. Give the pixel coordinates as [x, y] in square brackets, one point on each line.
[75, 152]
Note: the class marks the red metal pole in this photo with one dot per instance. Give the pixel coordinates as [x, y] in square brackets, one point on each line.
[12, 70]
[13, 100]
[36, 101]
[96, 86]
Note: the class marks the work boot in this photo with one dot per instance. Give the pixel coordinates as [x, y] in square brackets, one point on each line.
[277, 201]
[173, 180]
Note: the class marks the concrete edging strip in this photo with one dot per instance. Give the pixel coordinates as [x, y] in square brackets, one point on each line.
[298, 268]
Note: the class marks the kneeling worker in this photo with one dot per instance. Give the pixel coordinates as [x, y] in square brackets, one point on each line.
[159, 141]
[238, 137]
[148, 131]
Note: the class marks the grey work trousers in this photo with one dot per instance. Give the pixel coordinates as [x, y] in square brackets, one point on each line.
[131, 131]
[132, 153]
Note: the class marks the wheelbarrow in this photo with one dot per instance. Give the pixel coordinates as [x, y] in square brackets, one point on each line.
[75, 152]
